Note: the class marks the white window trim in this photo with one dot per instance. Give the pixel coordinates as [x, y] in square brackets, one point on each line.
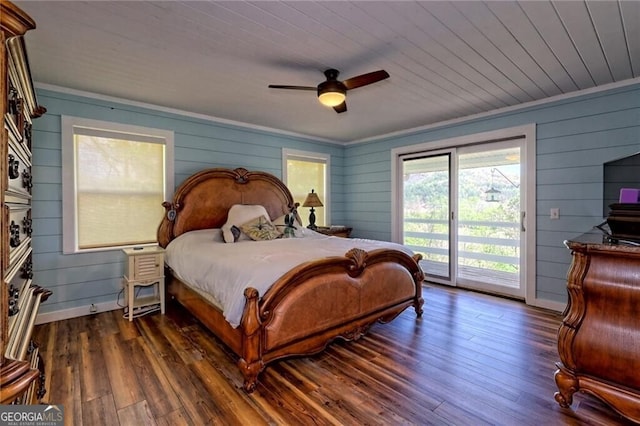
[528, 131]
[69, 202]
[288, 153]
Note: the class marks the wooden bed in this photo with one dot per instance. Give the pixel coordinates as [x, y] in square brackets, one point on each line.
[308, 307]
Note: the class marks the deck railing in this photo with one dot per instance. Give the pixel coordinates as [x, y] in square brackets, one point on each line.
[489, 252]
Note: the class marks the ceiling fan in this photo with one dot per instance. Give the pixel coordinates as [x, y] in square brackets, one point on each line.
[333, 92]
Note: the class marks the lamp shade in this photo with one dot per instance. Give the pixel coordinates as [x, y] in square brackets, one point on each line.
[312, 200]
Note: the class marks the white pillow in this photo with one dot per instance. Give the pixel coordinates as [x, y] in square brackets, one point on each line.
[238, 215]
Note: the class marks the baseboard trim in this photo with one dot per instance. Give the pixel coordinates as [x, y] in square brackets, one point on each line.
[80, 311]
[547, 304]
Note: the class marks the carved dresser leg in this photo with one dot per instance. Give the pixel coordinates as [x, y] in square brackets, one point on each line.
[567, 385]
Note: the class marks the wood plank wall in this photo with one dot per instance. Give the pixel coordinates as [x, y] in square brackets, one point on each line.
[77, 281]
[575, 137]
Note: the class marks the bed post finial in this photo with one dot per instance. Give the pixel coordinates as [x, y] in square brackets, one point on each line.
[165, 229]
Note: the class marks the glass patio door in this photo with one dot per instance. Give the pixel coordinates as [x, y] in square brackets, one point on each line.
[462, 210]
[427, 206]
[490, 218]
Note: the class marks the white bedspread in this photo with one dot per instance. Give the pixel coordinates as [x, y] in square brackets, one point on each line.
[203, 260]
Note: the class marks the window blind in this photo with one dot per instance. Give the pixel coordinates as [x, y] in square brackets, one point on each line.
[119, 188]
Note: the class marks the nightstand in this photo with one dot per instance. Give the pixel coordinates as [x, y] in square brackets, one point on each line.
[144, 268]
[335, 231]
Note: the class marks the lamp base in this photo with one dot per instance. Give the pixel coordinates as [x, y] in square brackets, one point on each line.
[312, 220]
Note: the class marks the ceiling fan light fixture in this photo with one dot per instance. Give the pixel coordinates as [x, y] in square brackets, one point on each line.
[331, 93]
[331, 98]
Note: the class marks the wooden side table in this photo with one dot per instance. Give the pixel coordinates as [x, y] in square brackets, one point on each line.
[335, 231]
[145, 267]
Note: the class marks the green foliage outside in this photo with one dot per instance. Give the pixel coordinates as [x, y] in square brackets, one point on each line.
[426, 211]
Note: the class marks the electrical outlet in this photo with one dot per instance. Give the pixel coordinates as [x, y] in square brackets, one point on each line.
[554, 213]
[93, 309]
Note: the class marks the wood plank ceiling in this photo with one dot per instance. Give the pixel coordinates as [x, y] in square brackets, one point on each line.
[446, 59]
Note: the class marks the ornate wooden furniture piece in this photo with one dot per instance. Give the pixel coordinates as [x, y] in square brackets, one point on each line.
[308, 307]
[21, 368]
[599, 339]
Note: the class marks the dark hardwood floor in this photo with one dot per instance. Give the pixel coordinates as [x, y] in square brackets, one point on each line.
[472, 359]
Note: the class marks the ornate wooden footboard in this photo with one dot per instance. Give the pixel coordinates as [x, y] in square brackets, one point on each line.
[318, 302]
[308, 307]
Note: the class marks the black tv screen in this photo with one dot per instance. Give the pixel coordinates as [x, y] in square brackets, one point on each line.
[618, 174]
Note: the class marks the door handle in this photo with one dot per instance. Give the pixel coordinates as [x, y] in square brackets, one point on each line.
[522, 215]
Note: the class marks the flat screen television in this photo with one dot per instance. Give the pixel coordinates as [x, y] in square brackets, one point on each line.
[621, 173]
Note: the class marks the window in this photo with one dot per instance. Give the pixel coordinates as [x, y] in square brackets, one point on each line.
[304, 171]
[115, 178]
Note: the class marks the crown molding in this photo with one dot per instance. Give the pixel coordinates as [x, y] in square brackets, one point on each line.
[460, 120]
[213, 119]
[396, 134]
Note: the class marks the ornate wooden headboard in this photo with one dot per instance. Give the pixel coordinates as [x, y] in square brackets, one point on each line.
[203, 200]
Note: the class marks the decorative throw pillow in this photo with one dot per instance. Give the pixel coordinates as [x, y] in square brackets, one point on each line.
[260, 229]
[237, 215]
[236, 233]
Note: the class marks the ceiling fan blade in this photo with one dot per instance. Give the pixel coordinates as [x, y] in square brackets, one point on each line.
[341, 108]
[364, 79]
[277, 86]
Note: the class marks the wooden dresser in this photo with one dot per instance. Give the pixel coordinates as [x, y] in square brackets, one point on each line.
[21, 368]
[599, 339]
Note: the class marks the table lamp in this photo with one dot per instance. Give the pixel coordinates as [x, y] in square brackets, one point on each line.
[312, 201]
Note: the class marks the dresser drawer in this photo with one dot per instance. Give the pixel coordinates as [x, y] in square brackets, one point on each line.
[18, 279]
[19, 111]
[18, 181]
[14, 114]
[16, 232]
